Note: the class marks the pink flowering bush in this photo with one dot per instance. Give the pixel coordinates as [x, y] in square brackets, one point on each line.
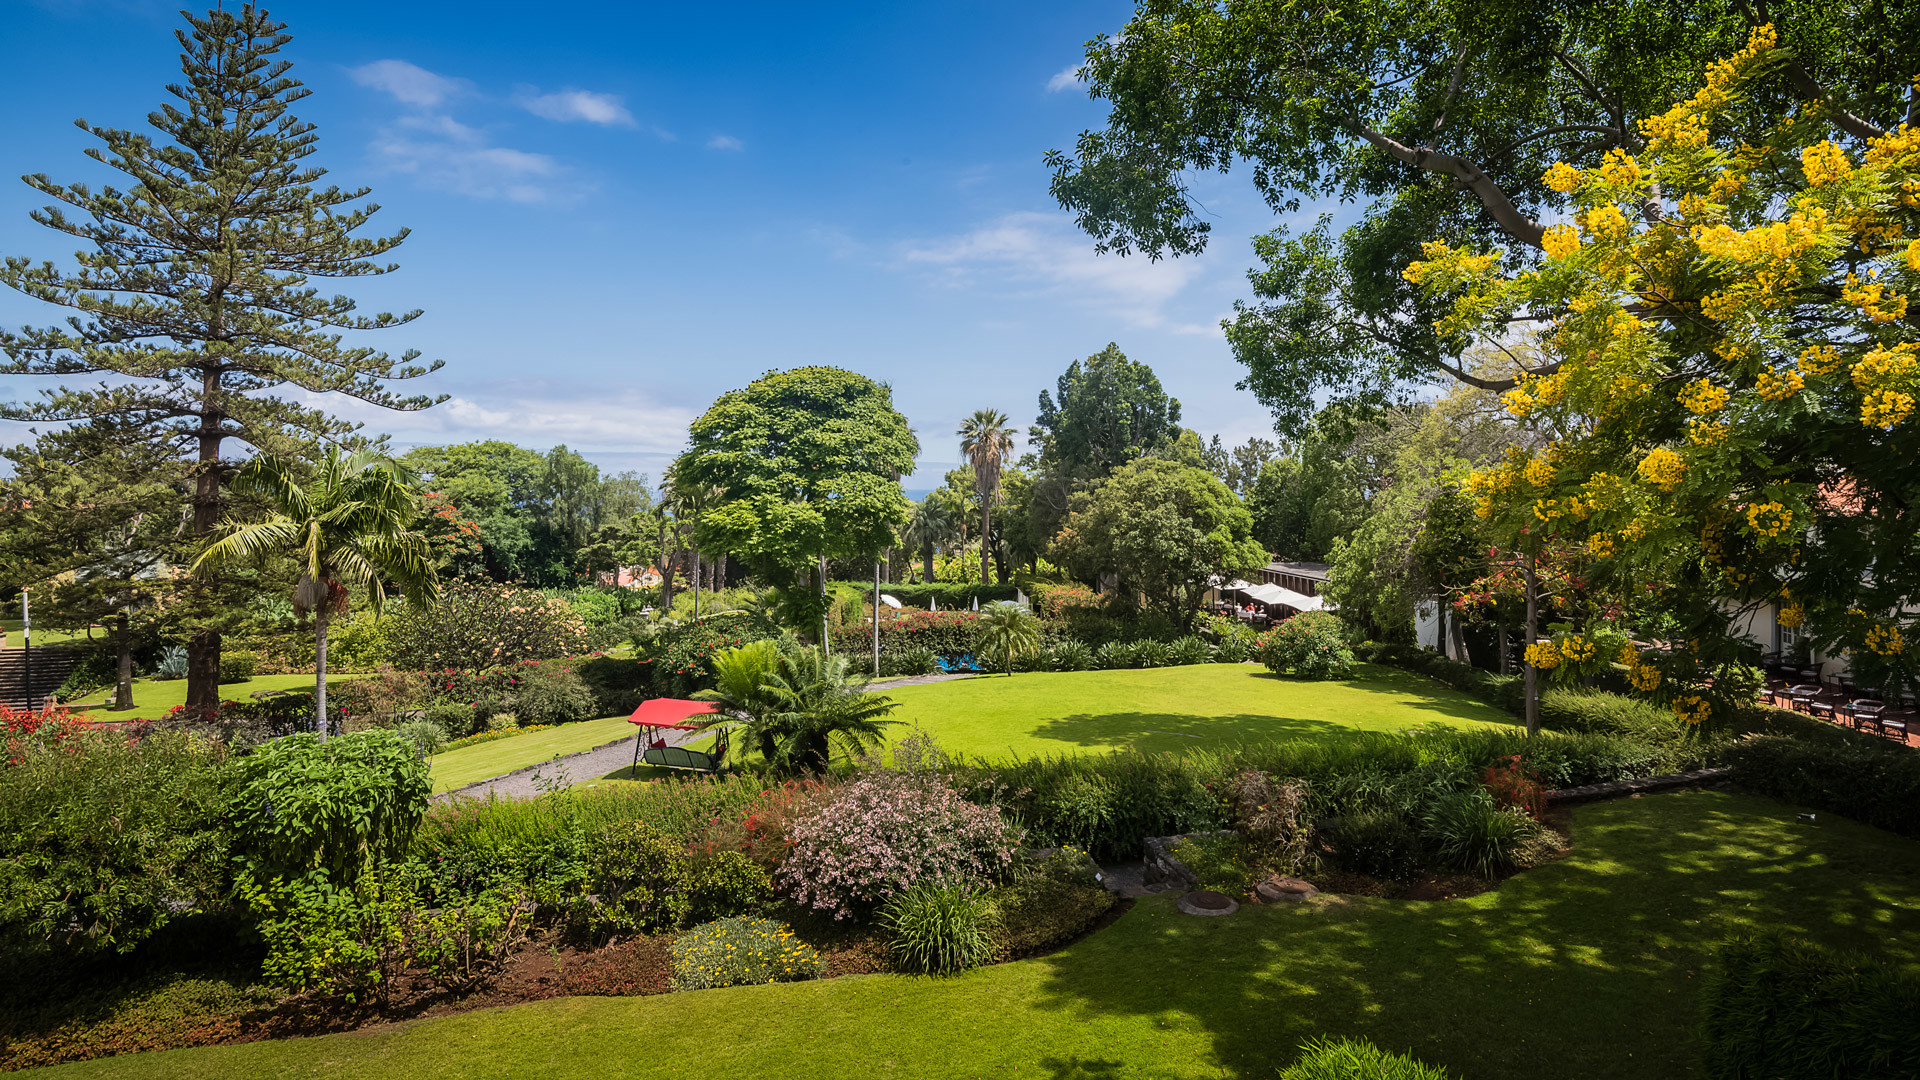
[885, 832]
[1309, 646]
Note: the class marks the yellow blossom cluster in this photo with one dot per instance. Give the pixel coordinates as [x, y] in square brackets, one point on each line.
[1543, 656]
[1769, 519]
[1779, 385]
[1702, 397]
[1663, 468]
[1885, 640]
[1885, 408]
[1644, 677]
[1563, 177]
[1539, 471]
[1791, 615]
[1821, 360]
[1692, 708]
[1578, 648]
[1771, 254]
[1873, 299]
[1887, 377]
[1618, 167]
[1560, 241]
[1707, 433]
[1603, 545]
[1604, 222]
[1824, 163]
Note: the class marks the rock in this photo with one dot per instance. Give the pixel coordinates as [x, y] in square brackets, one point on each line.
[1276, 889]
[1205, 903]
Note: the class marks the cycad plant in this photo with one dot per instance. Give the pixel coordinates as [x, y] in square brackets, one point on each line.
[797, 708]
[350, 526]
[1008, 632]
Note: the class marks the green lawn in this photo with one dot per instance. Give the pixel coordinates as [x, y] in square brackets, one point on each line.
[42, 635]
[1173, 708]
[458, 768]
[153, 697]
[1588, 968]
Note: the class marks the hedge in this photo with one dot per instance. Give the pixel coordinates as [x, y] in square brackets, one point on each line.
[1781, 1009]
[953, 595]
[1867, 779]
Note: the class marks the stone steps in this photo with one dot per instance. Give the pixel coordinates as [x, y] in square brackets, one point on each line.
[51, 666]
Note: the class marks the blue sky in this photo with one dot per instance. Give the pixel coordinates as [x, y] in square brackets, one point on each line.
[621, 211]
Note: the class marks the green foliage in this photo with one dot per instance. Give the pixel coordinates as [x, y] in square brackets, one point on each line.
[1008, 633]
[1045, 902]
[1070, 655]
[1219, 861]
[1467, 830]
[805, 463]
[103, 842]
[938, 929]
[1190, 650]
[915, 661]
[427, 737]
[723, 884]
[303, 806]
[795, 706]
[549, 694]
[1302, 504]
[1864, 778]
[950, 595]
[1233, 650]
[473, 626]
[741, 952]
[1108, 411]
[1311, 645]
[1776, 1007]
[454, 720]
[1152, 654]
[352, 942]
[681, 657]
[1357, 1059]
[1378, 843]
[1167, 529]
[630, 884]
[1117, 654]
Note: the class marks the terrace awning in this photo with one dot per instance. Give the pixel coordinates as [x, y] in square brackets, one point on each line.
[666, 712]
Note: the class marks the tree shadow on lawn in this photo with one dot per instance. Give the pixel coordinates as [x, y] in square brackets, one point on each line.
[1175, 731]
[1588, 967]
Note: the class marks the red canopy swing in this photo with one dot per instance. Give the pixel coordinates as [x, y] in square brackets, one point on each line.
[667, 713]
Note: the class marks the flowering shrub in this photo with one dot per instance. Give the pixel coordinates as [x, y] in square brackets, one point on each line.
[1512, 784]
[885, 832]
[1311, 646]
[947, 633]
[681, 658]
[475, 626]
[741, 952]
[51, 725]
[761, 829]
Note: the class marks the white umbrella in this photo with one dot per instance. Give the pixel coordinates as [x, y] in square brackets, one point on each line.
[890, 601]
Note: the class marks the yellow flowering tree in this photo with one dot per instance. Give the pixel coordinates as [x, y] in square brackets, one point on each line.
[1732, 371]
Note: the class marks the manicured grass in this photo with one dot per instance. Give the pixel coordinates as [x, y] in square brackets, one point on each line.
[458, 768]
[1173, 708]
[1587, 968]
[43, 635]
[153, 697]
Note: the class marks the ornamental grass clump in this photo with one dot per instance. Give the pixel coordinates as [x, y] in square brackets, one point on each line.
[741, 952]
[938, 929]
[884, 833]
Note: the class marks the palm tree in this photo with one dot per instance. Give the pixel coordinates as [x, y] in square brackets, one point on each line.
[1008, 631]
[795, 709]
[350, 527]
[929, 526]
[986, 440]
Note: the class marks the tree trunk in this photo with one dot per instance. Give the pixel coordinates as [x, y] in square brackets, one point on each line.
[203, 648]
[123, 683]
[320, 670]
[927, 567]
[820, 586]
[696, 576]
[986, 533]
[1533, 629]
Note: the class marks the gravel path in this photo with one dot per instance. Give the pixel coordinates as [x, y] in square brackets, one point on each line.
[569, 770]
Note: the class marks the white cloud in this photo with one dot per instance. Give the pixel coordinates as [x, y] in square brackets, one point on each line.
[569, 106]
[1066, 78]
[725, 142]
[408, 83]
[445, 154]
[617, 422]
[1043, 254]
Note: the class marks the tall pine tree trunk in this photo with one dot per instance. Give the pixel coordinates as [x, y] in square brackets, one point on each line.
[123, 681]
[203, 648]
[986, 533]
[320, 672]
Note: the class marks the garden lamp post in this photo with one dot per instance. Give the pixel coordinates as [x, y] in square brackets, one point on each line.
[26, 641]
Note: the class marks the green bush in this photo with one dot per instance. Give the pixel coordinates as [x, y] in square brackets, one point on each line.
[238, 665]
[303, 806]
[1377, 843]
[1070, 655]
[936, 929]
[1467, 831]
[1116, 654]
[549, 694]
[1790, 1010]
[1218, 861]
[1191, 650]
[741, 952]
[102, 843]
[1311, 645]
[910, 662]
[952, 595]
[680, 658]
[1355, 1059]
[1233, 650]
[722, 885]
[453, 719]
[98, 669]
[1599, 712]
[1867, 779]
[1152, 654]
[618, 684]
[631, 883]
[1044, 902]
[474, 626]
[427, 737]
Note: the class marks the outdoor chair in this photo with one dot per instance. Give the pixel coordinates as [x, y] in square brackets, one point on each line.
[1820, 710]
[1894, 729]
